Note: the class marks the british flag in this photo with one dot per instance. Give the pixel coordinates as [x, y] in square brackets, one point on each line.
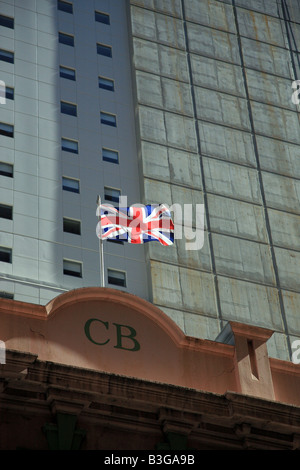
[136, 224]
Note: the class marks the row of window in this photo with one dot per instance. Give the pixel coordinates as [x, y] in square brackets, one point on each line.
[108, 119]
[73, 185]
[108, 155]
[71, 109]
[100, 17]
[63, 38]
[67, 7]
[68, 184]
[72, 268]
[70, 74]
[69, 40]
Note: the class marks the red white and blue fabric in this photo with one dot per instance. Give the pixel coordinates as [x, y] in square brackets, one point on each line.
[136, 224]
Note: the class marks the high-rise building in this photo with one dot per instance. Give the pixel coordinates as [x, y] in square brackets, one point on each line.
[173, 101]
[67, 136]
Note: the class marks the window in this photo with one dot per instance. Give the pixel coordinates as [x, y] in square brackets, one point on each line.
[65, 6]
[72, 226]
[5, 254]
[112, 194]
[108, 119]
[6, 169]
[6, 295]
[106, 84]
[102, 17]
[102, 49]
[111, 156]
[6, 129]
[117, 278]
[66, 72]
[68, 108]
[7, 56]
[6, 212]
[72, 268]
[66, 39]
[69, 145]
[70, 184]
[6, 21]
[9, 93]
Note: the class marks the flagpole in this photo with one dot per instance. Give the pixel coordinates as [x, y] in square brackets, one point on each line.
[101, 255]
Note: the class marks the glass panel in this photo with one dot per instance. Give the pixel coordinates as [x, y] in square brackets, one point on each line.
[110, 155]
[6, 211]
[72, 268]
[7, 56]
[106, 84]
[65, 6]
[9, 93]
[6, 295]
[6, 129]
[65, 72]
[109, 119]
[72, 226]
[6, 21]
[102, 17]
[70, 184]
[66, 39]
[6, 169]
[5, 255]
[111, 194]
[68, 108]
[104, 50]
[69, 145]
[117, 278]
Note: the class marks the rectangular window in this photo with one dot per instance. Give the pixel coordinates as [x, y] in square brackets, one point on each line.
[111, 156]
[5, 254]
[6, 169]
[102, 49]
[9, 93]
[70, 184]
[69, 145]
[108, 119]
[6, 212]
[64, 6]
[68, 108]
[72, 226]
[72, 268]
[106, 84]
[66, 72]
[6, 129]
[112, 194]
[6, 56]
[66, 39]
[117, 278]
[102, 17]
[6, 295]
[6, 21]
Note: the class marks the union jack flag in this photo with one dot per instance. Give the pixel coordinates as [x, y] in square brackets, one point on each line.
[136, 224]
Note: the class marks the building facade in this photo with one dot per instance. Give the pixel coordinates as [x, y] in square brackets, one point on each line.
[218, 127]
[100, 369]
[174, 101]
